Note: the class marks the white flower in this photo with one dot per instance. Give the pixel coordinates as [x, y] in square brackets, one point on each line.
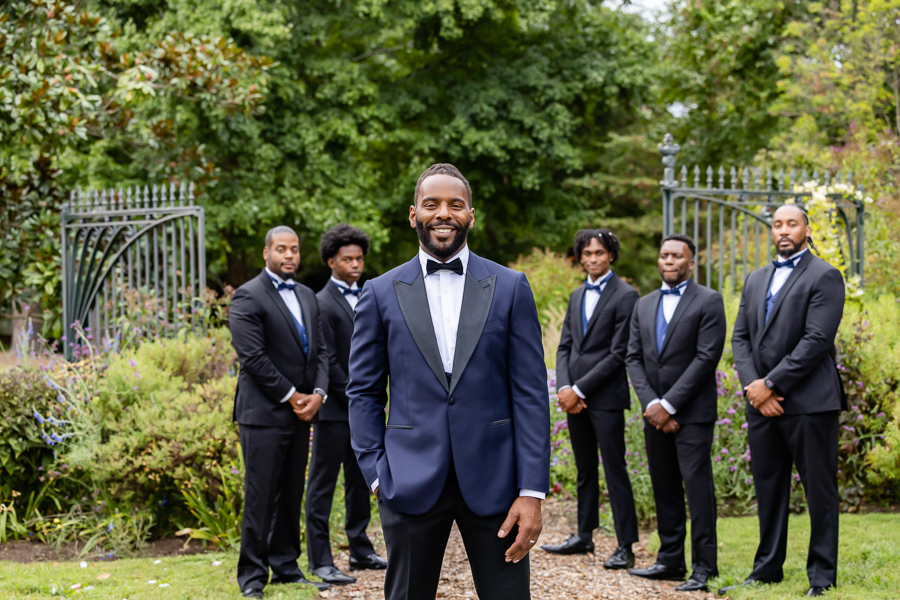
[83, 565]
[216, 563]
[156, 562]
[164, 585]
[152, 581]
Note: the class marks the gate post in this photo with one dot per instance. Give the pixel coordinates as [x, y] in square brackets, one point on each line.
[668, 148]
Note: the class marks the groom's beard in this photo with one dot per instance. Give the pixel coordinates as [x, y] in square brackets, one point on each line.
[447, 249]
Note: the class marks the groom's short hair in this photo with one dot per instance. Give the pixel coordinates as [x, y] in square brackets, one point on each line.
[276, 230]
[443, 169]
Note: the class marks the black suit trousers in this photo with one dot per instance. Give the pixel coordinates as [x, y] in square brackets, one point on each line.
[606, 429]
[679, 464]
[275, 465]
[811, 442]
[416, 545]
[331, 449]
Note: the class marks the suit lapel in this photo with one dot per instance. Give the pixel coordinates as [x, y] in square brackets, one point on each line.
[338, 297]
[578, 305]
[796, 273]
[413, 301]
[768, 273]
[279, 302]
[650, 318]
[311, 330]
[690, 292]
[611, 286]
[476, 304]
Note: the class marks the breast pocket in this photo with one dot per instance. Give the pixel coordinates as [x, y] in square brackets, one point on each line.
[494, 325]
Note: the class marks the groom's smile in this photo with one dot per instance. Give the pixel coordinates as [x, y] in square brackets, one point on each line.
[442, 215]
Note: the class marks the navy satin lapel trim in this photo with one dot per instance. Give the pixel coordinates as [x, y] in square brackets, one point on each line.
[687, 296]
[413, 301]
[473, 314]
[611, 286]
[796, 273]
[339, 298]
[282, 307]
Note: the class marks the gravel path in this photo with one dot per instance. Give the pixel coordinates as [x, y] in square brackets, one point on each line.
[552, 577]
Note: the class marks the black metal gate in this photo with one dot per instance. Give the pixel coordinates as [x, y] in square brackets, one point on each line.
[729, 216]
[126, 249]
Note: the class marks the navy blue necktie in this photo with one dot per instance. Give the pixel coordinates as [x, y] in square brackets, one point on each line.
[301, 330]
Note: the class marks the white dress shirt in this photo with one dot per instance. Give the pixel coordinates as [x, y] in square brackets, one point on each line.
[444, 290]
[782, 273]
[670, 303]
[293, 305]
[351, 299]
[591, 298]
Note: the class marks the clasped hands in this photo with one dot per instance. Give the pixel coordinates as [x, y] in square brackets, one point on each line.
[660, 418]
[763, 399]
[305, 405]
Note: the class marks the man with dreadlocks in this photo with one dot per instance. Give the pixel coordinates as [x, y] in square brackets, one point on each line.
[783, 346]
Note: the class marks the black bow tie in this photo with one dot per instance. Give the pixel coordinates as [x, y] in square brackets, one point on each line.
[788, 263]
[455, 265]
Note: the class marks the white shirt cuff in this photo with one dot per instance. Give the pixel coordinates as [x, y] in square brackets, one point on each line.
[375, 485]
[665, 404]
[532, 494]
[578, 392]
[289, 394]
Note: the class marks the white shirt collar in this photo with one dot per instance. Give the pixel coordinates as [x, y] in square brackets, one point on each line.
[343, 284]
[276, 277]
[795, 257]
[462, 255]
[681, 285]
[600, 280]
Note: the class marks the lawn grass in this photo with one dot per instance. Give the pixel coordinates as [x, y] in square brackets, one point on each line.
[136, 579]
[868, 558]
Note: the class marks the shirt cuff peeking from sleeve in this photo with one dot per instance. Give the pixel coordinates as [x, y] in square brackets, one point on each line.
[375, 485]
[289, 394]
[578, 392]
[665, 404]
[532, 494]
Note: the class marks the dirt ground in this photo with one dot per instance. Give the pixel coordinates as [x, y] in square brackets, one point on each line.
[26, 552]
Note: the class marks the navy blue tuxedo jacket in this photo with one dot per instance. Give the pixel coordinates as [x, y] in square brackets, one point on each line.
[491, 421]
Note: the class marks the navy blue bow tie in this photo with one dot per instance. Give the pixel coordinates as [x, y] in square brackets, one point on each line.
[588, 286]
[455, 265]
[674, 290]
[788, 263]
[346, 290]
[287, 285]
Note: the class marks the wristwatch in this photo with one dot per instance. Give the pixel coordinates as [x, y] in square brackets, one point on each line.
[769, 384]
[322, 393]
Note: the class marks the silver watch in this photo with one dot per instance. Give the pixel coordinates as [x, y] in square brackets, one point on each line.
[322, 393]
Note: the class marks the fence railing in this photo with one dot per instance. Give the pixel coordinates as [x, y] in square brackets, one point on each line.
[728, 212]
[134, 247]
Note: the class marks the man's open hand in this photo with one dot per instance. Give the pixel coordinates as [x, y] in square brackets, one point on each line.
[569, 401]
[305, 405]
[526, 512]
[656, 415]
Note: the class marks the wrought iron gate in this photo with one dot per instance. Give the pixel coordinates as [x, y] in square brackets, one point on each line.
[122, 249]
[730, 220]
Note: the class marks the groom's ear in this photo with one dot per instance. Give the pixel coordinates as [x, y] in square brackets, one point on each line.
[412, 216]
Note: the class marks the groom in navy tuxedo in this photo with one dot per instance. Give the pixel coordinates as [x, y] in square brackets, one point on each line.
[467, 436]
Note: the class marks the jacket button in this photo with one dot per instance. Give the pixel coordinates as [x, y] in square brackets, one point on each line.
[452, 401]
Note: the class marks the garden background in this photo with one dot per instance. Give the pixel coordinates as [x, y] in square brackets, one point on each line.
[315, 112]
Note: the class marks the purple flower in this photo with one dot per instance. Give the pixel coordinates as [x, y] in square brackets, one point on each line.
[748, 481]
[135, 388]
[132, 363]
[733, 468]
[859, 418]
[745, 426]
[724, 450]
[848, 428]
[853, 408]
[879, 415]
[731, 411]
[718, 459]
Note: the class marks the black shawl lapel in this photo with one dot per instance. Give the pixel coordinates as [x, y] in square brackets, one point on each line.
[611, 287]
[476, 303]
[279, 302]
[768, 273]
[413, 301]
[796, 273]
[690, 292]
[338, 297]
[578, 305]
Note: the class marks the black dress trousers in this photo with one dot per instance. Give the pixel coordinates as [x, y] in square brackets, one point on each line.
[606, 429]
[275, 464]
[680, 463]
[416, 545]
[331, 449]
[811, 442]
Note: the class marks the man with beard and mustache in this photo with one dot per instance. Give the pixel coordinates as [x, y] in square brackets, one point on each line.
[783, 347]
[275, 330]
[467, 437]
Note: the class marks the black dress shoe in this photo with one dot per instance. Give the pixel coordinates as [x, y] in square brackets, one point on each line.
[252, 593]
[333, 575]
[659, 571]
[746, 583]
[622, 558]
[696, 583]
[319, 585]
[816, 591]
[574, 545]
[372, 561]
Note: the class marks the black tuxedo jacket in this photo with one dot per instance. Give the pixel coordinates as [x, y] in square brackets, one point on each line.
[594, 361]
[795, 348]
[270, 353]
[336, 320]
[684, 373]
